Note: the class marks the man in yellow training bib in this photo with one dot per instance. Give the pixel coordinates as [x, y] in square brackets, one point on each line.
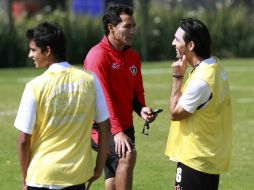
[201, 129]
[55, 118]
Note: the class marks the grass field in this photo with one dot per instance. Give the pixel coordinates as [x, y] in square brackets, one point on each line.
[153, 169]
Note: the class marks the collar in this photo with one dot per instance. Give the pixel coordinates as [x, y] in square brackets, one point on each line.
[56, 67]
[109, 45]
[211, 60]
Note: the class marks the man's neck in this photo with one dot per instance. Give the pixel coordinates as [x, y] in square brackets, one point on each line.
[195, 61]
[114, 43]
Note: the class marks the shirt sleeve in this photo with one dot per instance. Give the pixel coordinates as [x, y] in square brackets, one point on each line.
[196, 93]
[101, 112]
[139, 89]
[26, 116]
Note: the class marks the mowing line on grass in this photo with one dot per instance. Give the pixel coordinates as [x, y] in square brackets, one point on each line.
[245, 100]
[242, 88]
[8, 113]
[155, 71]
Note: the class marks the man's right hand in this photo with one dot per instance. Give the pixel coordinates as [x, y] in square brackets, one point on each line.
[122, 144]
[95, 176]
[180, 66]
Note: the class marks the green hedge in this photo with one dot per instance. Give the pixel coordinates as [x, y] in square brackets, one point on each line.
[231, 30]
[81, 33]
[12, 51]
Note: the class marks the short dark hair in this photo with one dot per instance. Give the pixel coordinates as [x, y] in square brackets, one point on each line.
[196, 31]
[112, 15]
[49, 34]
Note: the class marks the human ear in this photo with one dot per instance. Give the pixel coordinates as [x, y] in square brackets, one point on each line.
[48, 50]
[191, 45]
[110, 27]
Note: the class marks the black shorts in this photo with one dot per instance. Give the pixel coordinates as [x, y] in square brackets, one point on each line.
[75, 187]
[112, 159]
[190, 179]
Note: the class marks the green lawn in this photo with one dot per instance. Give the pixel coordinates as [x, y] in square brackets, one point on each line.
[153, 169]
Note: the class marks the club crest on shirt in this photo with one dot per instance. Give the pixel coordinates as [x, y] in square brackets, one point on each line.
[133, 70]
[115, 66]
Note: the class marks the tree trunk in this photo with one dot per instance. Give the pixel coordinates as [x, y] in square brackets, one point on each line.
[6, 6]
[144, 7]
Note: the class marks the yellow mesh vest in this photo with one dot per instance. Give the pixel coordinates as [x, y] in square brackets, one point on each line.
[203, 140]
[61, 144]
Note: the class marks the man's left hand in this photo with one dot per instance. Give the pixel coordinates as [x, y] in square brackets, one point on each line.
[147, 114]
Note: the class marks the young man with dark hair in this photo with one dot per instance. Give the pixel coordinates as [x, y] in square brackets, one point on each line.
[201, 129]
[55, 117]
[118, 68]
